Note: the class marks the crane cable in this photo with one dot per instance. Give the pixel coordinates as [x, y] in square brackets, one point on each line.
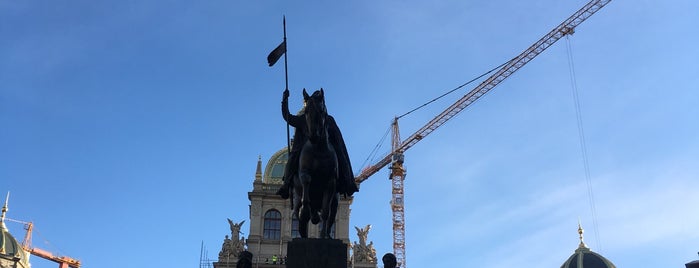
[53, 248]
[455, 89]
[34, 234]
[583, 146]
[372, 154]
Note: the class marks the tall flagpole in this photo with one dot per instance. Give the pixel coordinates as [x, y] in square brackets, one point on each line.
[286, 74]
[286, 80]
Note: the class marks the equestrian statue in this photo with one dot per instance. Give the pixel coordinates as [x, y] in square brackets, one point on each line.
[318, 169]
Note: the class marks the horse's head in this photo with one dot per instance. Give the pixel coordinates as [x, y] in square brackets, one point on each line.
[315, 113]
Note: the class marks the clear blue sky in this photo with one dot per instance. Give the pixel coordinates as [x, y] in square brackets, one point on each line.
[130, 130]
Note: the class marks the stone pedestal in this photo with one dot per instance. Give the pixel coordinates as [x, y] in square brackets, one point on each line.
[364, 265]
[316, 253]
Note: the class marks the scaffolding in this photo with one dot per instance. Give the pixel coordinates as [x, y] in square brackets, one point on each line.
[204, 261]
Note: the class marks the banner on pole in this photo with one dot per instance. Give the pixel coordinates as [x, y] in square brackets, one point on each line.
[276, 54]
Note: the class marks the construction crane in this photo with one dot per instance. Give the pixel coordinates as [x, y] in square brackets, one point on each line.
[63, 261]
[398, 147]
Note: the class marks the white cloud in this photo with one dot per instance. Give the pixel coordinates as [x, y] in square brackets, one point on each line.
[637, 209]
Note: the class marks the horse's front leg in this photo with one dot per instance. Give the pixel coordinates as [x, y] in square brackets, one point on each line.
[328, 197]
[305, 216]
[297, 193]
[333, 213]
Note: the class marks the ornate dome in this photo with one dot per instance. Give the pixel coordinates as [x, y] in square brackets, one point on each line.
[586, 258]
[274, 171]
[11, 252]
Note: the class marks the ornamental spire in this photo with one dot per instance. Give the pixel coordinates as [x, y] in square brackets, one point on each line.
[4, 210]
[580, 232]
[258, 172]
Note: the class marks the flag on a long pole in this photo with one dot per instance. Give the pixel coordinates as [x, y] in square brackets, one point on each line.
[276, 54]
[272, 58]
[280, 50]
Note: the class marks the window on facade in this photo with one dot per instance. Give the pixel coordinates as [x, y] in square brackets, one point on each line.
[273, 224]
[295, 228]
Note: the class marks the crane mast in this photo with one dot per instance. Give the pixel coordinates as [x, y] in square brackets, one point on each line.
[396, 158]
[397, 178]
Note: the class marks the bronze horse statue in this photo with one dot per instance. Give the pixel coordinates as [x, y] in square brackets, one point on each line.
[315, 187]
[318, 169]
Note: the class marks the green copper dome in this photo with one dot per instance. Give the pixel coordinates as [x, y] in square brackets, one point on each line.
[275, 167]
[585, 258]
[11, 252]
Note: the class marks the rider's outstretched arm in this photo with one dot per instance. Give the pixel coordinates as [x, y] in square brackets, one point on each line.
[293, 120]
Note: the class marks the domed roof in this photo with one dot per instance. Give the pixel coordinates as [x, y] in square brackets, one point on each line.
[11, 251]
[274, 171]
[586, 258]
[692, 264]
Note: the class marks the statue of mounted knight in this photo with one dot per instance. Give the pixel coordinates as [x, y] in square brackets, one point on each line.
[318, 169]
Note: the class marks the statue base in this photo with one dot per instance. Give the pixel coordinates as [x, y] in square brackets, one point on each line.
[316, 253]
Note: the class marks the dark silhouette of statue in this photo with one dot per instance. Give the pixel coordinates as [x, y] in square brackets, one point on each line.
[347, 185]
[389, 260]
[318, 167]
[244, 260]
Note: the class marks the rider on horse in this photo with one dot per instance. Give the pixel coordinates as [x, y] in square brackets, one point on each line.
[346, 184]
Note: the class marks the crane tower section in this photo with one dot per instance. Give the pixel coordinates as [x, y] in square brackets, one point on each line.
[397, 197]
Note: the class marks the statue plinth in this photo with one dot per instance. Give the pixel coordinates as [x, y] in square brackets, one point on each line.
[316, 253]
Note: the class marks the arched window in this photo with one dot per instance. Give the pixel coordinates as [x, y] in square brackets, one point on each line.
[295, 228]
[273, 224]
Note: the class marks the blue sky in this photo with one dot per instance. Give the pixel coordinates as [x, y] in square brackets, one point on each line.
[130, 130]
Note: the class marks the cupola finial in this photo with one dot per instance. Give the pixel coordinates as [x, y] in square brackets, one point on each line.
[580, 233]
[4, 210]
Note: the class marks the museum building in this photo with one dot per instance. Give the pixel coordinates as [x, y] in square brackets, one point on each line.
[272, 227]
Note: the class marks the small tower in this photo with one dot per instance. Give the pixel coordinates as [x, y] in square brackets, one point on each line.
[258, 170]
[586, 258]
